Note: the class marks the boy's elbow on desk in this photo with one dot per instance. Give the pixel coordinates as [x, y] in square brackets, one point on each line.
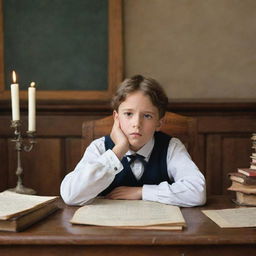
[196, 196]
[197, 199]
[68, 201]
[199, 191]
[72, 201]
[66, 197]
[200, 198]
[70, 198]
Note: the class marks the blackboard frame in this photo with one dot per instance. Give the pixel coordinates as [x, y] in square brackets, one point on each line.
[115, 63]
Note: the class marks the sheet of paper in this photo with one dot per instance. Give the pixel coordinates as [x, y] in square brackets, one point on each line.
[233, 218]
[106, 212]
[12, 203]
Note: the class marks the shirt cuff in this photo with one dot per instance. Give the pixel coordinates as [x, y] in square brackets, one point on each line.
[113, 161]
[150, 193]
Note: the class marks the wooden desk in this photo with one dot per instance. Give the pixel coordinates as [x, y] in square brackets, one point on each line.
[56, 236]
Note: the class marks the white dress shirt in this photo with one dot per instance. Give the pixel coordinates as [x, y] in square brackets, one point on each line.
[98, 167]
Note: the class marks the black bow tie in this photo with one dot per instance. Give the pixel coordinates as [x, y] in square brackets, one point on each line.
[136, 157]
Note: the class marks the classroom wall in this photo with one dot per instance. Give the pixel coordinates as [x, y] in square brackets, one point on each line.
[195, 54]
[198, 49]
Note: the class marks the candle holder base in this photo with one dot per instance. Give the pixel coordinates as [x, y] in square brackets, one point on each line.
[20, 189]
[20, 145]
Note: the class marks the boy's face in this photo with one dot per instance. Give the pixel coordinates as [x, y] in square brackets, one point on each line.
[138, 119]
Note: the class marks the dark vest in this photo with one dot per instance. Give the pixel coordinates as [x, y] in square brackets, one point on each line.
[155, 170]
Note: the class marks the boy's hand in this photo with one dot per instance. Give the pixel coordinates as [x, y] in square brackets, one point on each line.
[129, 193]
[120, 140]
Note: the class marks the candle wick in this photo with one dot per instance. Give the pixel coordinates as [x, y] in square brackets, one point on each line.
[32, 84]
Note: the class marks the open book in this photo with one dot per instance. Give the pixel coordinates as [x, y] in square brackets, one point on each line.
[130, 214]
[18, 211]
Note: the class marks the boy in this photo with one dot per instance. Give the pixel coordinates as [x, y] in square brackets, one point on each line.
[136, 161]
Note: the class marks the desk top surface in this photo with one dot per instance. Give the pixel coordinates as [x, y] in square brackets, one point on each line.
[56, 229]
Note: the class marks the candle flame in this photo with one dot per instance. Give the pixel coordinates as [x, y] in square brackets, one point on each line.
[32, 84]
[14, 77]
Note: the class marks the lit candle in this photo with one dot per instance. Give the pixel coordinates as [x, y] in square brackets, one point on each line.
[32, 108]
[15, 98]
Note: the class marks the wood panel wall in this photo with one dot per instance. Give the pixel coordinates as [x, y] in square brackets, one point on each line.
[224, 132]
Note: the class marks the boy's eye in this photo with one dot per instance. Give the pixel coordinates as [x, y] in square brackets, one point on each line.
[148, 116]
[128, 114]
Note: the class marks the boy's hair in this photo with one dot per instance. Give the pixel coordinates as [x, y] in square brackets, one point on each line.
[149, 86]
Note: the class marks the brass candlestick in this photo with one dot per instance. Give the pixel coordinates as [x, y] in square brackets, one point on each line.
[19, 146]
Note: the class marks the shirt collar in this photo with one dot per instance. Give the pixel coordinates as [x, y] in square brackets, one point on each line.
[145, 150]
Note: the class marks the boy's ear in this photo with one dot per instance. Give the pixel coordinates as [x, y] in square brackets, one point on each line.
[115, 114]
[160, 123]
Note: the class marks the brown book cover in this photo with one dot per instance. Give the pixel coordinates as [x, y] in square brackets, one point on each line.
[241, 178]
[245, 199]
[28, 218]
[247, 171]
[248, 189]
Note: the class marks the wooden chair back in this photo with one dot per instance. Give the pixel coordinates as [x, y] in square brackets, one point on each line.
[182, 127]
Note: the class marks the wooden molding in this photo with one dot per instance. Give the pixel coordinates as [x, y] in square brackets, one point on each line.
[103, 106]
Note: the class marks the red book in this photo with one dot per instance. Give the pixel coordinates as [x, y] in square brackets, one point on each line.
[247, 171]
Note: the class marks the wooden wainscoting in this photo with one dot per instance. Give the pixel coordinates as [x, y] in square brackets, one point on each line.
[226, 145]
[57, 149]
[224, 133]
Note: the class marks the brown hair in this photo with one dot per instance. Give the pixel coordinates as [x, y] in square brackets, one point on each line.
[149, 86]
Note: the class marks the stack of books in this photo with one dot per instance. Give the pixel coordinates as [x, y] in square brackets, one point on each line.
[244, 181]
[253, 156]
[19, 211]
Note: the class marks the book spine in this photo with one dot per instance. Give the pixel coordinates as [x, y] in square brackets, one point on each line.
[253, 166]
[251, 173]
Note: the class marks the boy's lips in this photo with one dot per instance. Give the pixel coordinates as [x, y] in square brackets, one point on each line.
[135, 134]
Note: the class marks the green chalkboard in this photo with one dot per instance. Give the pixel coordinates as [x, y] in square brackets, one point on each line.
[59, 44]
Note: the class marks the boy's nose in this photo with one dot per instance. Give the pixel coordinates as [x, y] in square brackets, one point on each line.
[137, 122]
